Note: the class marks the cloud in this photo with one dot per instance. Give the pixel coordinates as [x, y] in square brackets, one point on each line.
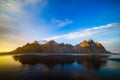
[100, 27]
[15, 16]
[18, 22]
[98, 32]
[74, 35]
[112, 45]
[60, 23]
[34, 2]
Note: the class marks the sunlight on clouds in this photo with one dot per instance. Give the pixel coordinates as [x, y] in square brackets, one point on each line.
[18, 25]
[9, 44]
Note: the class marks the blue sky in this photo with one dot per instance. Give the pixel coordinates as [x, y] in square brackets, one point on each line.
[68, 21]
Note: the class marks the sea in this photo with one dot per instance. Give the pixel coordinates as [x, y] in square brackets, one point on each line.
[36, 66]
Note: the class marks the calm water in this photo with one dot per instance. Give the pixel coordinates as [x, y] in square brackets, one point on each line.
[59, 67]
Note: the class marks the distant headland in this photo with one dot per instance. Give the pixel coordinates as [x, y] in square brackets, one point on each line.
[87, 46]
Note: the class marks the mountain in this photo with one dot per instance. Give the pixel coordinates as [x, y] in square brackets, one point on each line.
[29, 48]
[53, 47]
[90, 46]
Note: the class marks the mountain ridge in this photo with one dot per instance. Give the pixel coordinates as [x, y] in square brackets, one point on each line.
[87, 46]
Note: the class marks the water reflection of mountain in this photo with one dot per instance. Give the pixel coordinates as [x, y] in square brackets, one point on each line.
[91, 62]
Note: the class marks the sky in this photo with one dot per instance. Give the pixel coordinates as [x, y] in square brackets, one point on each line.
[68, 21]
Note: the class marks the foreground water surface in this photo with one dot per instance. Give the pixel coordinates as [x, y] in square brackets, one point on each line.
[60, 67]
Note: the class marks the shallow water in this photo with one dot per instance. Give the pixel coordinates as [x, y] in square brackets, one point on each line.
[59, 67]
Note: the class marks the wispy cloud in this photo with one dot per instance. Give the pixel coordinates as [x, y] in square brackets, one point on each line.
[34, 2]
[100, 27]
[106, 30]
[61, 23]
[18, 22]
[14, 16]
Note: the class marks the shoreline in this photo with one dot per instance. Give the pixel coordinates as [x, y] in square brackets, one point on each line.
[8, 53]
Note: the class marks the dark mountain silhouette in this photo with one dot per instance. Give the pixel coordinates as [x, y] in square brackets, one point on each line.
[53, 47]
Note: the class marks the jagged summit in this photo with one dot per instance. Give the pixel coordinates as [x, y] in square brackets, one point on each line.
[90, 46]
[35, 42]
[50, 42]
[90, 40]
[87, 46]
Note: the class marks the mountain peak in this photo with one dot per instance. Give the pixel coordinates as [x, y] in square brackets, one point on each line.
[84, 44]
[90, 46]
[90, 40]
[51, 41]
[36, 42]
